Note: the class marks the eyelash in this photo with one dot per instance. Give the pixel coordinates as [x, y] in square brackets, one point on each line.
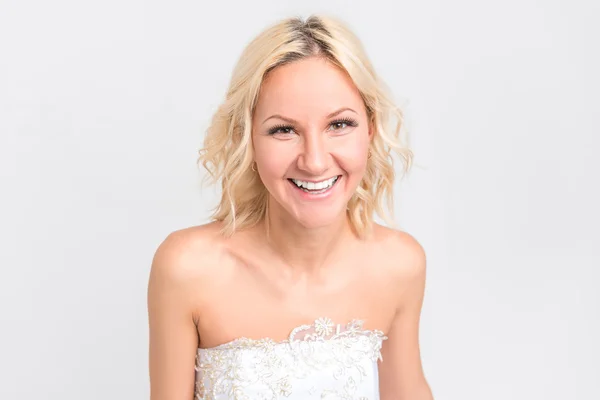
[349, 122]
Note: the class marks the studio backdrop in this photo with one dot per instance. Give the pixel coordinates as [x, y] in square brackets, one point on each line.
[103, 107]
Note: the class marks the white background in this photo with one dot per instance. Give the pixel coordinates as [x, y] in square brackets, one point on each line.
[103, 106]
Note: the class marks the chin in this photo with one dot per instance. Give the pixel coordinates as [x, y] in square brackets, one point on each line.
[315, 220]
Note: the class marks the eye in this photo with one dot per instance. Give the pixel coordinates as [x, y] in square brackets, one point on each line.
[342, 124]
[281, 129]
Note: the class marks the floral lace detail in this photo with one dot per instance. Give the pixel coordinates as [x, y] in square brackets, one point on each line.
[300, 367]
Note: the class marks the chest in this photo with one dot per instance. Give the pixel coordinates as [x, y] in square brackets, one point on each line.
[248, 301]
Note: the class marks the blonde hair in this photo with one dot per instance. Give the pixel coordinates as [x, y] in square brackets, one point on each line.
[227, 154]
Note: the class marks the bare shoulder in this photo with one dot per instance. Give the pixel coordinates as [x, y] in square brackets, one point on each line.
[400, 246]
[401, 253]
[401, 374]
[178, 281]
[188, 254]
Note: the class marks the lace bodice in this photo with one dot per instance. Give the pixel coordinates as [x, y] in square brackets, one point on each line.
[321, 360]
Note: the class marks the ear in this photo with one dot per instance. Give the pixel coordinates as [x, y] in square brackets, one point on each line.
[371, 130]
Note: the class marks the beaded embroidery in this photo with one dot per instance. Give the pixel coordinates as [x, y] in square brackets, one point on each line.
[302, 365]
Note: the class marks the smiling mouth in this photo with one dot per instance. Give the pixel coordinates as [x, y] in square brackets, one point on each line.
[315, 187]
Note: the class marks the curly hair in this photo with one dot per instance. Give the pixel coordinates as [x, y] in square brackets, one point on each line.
[227, 152]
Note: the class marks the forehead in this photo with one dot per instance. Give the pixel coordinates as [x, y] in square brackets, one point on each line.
[307, 88]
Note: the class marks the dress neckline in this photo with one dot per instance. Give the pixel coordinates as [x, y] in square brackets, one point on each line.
[322, 329]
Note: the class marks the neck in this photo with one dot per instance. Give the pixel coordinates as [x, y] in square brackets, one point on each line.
[303, 249]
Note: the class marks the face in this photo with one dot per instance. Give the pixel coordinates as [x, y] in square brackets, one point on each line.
[311, 138]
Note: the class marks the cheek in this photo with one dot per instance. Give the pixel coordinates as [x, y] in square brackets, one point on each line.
[273, 161]
[353, 155]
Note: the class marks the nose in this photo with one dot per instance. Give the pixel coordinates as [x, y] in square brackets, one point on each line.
[314, 158]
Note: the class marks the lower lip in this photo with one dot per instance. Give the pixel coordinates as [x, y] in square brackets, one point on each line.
[315, 196]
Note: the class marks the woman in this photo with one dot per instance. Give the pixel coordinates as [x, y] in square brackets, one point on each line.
[293, 291]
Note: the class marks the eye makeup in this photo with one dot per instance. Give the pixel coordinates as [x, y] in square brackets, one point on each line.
[334, 125]
[284, 129]
[349, 122]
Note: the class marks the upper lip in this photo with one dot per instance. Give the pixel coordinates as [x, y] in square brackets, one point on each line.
[315, 180]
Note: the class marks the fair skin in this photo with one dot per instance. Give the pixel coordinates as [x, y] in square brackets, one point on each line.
[207, 290]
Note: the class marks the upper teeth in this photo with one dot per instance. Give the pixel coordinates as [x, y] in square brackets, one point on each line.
[315, 185]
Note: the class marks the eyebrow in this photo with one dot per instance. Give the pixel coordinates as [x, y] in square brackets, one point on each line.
[293, 121]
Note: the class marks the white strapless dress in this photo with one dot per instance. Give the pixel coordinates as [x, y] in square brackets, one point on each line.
[318, 361]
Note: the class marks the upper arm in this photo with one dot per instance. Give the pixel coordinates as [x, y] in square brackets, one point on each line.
[172, 331]
[401, 372]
